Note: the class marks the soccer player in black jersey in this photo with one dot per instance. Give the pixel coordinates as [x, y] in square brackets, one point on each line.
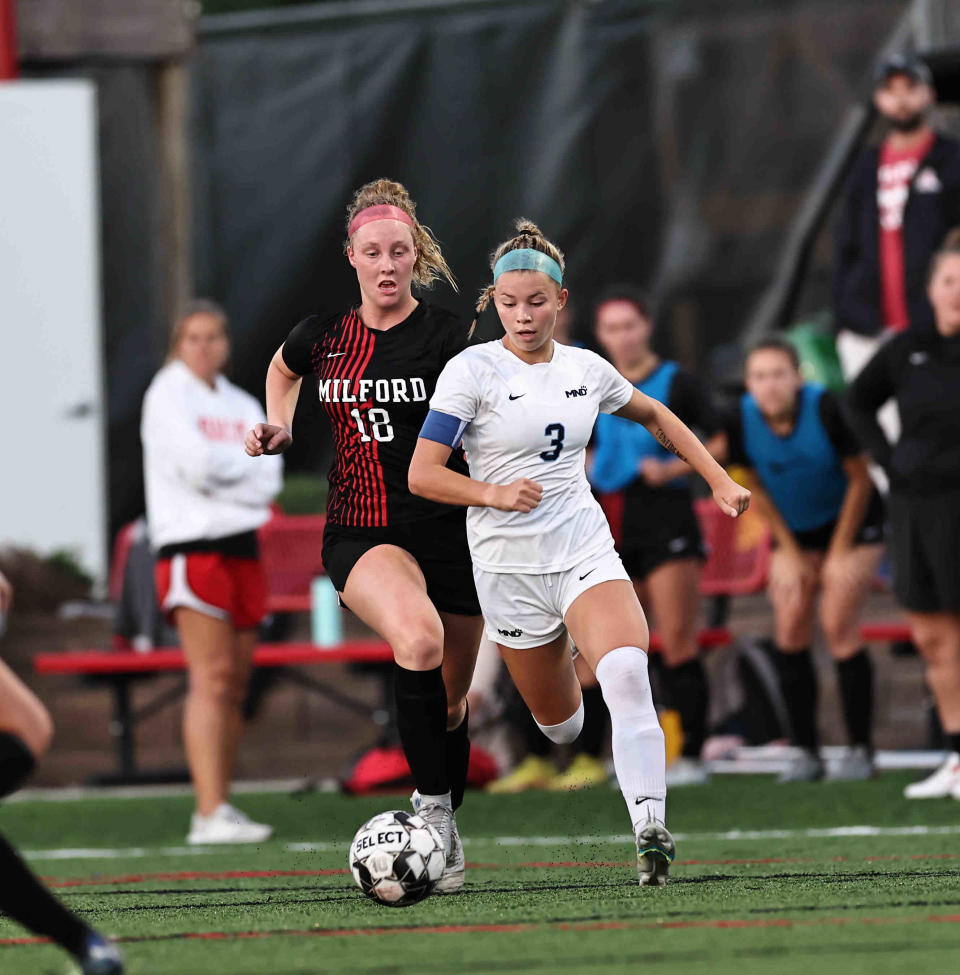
[920, 369]
[25, 734]
[400, 562]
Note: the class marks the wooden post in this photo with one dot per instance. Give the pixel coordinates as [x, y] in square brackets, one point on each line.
[174, 211]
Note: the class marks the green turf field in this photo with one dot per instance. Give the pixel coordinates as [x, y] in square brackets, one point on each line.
[551, 888]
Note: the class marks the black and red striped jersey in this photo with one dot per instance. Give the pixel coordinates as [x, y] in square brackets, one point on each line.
[375, 386]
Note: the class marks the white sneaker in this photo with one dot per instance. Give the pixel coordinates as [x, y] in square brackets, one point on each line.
[943, 783]
[687, 771]
[806, 767]
[854, 765]
[441, 818]
[226, 825]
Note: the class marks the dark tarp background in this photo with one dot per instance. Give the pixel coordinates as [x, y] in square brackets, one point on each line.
[666, 142]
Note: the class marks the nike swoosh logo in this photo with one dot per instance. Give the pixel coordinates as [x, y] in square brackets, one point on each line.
[517, 396]
[584, 576]
[333, 355]
[642, 800]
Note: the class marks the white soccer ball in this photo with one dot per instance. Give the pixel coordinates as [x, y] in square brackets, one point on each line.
[396, 858]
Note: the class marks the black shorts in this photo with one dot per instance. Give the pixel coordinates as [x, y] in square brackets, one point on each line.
[438, 544]
[924, 544]
[659, 526]
[871, 531]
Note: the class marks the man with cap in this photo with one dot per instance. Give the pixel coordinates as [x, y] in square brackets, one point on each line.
[900, 200]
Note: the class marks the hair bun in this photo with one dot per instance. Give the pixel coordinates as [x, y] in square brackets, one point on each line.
[528, 227]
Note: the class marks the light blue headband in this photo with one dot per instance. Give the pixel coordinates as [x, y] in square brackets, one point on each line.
[527, 259]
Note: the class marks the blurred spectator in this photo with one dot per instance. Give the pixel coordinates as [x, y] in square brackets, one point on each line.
[809, 478]
[661, 545]
[900, 200]
[205, 500]
[921, 371]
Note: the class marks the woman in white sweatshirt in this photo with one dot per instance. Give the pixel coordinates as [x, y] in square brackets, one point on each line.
[205, 500]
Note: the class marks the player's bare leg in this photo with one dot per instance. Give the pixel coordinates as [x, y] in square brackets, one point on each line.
[937, 636]
[26, 732]
[610, 630]
[387, 590]
[845, 582]
[219, 668]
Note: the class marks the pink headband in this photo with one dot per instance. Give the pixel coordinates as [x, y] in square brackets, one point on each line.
[382, 211]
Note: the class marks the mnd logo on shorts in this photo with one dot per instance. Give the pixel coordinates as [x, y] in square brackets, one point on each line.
[513, 633]
[582, 391]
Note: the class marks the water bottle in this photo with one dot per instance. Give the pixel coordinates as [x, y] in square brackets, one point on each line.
[326, 622]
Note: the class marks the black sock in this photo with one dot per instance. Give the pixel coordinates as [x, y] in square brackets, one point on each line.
[26, 900]
[16, 763]
[596, 718]
[798, 682]
[688, 693]
[422, 723]
[856, 692]
[954, 740]
[458, 759]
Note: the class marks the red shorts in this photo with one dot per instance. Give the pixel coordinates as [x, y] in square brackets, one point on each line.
[222, 586]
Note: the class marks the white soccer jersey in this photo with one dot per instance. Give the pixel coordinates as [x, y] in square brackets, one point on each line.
[532, 421]
[200, 484]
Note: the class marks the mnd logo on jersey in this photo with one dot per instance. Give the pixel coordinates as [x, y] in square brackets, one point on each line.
[378, 390]
[572, 393]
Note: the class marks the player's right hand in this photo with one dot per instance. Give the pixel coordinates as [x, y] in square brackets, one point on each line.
[522, 495]
[265, 438]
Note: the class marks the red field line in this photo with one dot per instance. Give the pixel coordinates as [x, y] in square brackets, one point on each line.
[140, 878]
[720, 924]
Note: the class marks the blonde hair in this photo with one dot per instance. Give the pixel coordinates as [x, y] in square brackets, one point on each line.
[430, 263]
[198, 306]
[529, 236]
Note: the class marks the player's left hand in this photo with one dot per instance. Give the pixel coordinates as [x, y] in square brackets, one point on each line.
[731, 498]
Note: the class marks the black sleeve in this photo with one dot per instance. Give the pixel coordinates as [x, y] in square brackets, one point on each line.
[692, 405]
[455, 340]
[297, 350]
[869, 391]
[839, 432]
[733, 427]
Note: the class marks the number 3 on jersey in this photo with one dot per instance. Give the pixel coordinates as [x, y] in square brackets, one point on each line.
[556, 431]
[380, 425]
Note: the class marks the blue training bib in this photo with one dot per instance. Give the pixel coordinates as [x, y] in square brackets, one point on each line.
[802, 472]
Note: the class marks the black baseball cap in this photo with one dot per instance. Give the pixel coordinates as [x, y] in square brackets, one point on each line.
[905, 64]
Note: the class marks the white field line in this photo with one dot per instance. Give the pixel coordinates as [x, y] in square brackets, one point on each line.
[327, 846]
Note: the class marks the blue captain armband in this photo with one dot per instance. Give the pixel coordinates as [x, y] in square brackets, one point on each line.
[443, 428]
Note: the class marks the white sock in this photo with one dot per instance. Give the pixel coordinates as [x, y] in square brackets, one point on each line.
[638, 750]
[567, 731]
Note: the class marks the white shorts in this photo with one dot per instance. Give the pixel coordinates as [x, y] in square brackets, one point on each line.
[524, 610]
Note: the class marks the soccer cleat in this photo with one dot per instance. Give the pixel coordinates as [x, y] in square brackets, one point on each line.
[856, 765]
[584, 772]
[226, 825]
[806, 767]
[441, 818]
[687, 771]
[655, 853]
[101, 957]
[533, 772]
[943, 783]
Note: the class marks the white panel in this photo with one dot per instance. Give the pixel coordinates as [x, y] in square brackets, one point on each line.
[52, 493]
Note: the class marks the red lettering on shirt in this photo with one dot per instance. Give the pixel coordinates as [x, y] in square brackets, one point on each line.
[894, 176]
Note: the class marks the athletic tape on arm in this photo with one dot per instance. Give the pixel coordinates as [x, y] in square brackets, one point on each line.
[443, 428]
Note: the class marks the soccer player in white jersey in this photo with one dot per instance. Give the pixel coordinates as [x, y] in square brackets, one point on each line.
[544, 561]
